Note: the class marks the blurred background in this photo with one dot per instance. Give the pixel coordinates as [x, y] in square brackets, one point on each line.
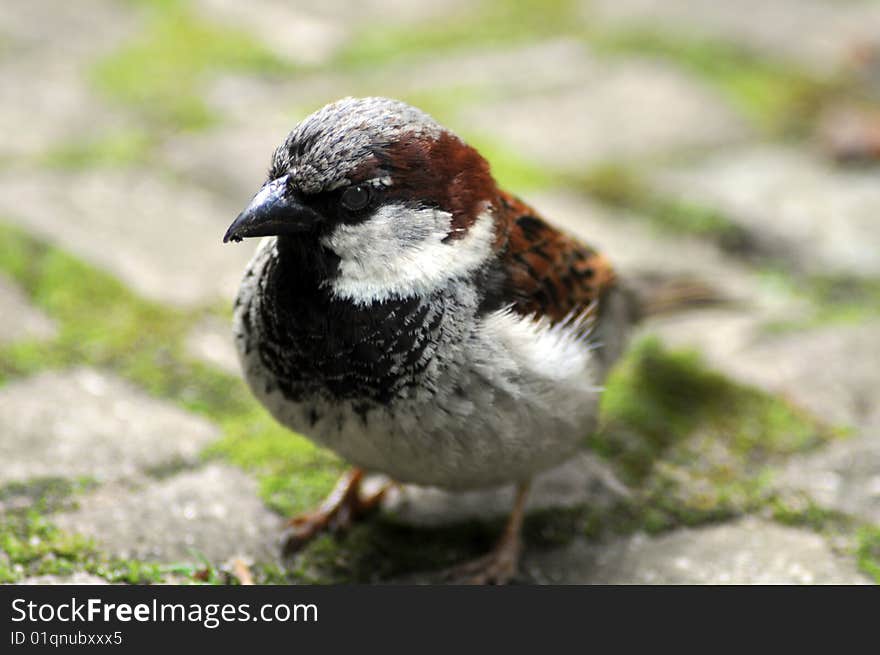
[739, 142]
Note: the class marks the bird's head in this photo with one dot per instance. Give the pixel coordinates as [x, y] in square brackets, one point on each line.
[403, 203]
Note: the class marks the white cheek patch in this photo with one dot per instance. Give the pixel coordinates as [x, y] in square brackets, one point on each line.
[399, 252]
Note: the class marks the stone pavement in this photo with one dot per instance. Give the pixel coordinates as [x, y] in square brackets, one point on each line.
[131, 452]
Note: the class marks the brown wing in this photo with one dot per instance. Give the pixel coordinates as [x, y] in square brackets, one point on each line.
[550, 273]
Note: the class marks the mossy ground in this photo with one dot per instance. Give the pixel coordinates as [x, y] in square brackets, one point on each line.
[779, 99]
[159, 74]
[693, 445]
[622, 186]
[489, 23]
[102, 324]
[868, 551]
[30, 545]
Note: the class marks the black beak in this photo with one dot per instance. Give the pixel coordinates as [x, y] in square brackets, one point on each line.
[273, 211]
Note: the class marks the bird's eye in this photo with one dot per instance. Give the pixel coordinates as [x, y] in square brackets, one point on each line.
[355, 198]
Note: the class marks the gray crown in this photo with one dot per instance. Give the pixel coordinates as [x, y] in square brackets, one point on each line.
[326, 146]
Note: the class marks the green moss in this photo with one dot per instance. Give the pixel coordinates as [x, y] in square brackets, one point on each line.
[799, 510]
[114, 149]
[100, 321]
[49, 494]
[780, 99]
[512, 171]
[103, 324]
[31, 545]
[658, 400]
[294, 474]
[868, 551]
[622, 187]
[160, 73]
[486, 24]
[694, 445]
[834, 299]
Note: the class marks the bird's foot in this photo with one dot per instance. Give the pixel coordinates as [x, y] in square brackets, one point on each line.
[498, 567]
[339, 511]
[501, 564]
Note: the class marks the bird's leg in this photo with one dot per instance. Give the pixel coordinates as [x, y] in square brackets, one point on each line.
[500, 565]
[338, 511]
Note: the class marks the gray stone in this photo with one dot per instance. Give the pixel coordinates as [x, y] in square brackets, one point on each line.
[819, 34]
[72, 579]
[363, 15]
[456, 80]
[748, 551]
[232, 161]
[211, 342]
[492, 93]
[821, 219]
[47, 49]
[212, 512]
[284, 27]
[45, 103]
[844, 476]
[79, 31]
[582, 480]
[84, 422]
[605, 116]
[832, 372]
[502, 72]
[21, 320]
[163, 239]
[234, 158]
[311, 33]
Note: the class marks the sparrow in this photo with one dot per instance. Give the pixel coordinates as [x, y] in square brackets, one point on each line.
[406, 313]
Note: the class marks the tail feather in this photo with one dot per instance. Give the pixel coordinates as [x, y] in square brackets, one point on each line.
[654, 294]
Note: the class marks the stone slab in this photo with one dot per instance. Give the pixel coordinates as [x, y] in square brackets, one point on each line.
[211, 341]
[161, 238]
[21, 320]
[833, 372]
[606, 117]
[819, 218]
[845, 477]
[212, 512]
[46, 54]
[84, 422]
[748, 551]
[818, 34]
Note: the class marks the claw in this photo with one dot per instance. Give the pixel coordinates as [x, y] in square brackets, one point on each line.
[501, 564]
[342, 507]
